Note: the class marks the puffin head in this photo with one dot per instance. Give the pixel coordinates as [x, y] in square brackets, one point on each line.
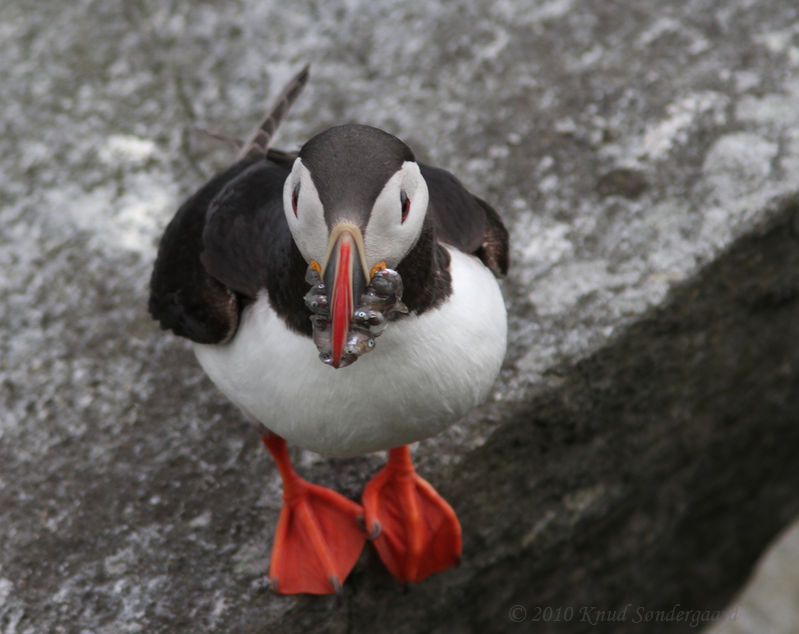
[355, 202]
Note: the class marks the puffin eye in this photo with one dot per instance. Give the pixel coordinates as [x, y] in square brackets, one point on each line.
[295, 195]
[406, 204]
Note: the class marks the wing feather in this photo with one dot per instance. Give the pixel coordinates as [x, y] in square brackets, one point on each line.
[465, 221]
[184, 297]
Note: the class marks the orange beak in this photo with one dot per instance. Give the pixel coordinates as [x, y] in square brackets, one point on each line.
[345, 278]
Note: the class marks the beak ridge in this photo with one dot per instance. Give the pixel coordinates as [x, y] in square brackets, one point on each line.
[345, 278]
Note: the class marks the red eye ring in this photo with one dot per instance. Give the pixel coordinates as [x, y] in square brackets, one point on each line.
[406, 204]
[295, 195]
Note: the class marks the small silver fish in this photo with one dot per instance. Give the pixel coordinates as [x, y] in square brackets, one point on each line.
[359, 342]
[312, 276]
[387, 283]
[321, 333]
[317, 301]
[370, 320]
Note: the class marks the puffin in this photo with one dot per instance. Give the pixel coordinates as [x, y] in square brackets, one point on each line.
[345, 298]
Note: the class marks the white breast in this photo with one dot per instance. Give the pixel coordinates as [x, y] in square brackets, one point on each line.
[424, 373]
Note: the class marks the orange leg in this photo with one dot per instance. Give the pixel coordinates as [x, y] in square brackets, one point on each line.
[318, 537]
[417, 532]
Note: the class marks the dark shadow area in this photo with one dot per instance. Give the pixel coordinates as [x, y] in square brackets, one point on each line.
[655, 475]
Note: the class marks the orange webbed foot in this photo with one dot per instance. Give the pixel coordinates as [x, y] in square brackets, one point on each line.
[415, 531]
[318, 538]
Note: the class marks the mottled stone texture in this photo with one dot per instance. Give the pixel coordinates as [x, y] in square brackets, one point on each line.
[638, 451]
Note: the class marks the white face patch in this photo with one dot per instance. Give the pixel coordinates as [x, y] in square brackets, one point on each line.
[386, 236]
[308, 225]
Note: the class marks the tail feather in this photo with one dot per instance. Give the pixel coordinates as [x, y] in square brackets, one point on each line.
[258, 141]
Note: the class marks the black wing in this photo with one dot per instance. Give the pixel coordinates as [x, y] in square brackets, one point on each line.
[247, 244]
[230, 240]
[466, 221]
[184, 297]
[226, 243]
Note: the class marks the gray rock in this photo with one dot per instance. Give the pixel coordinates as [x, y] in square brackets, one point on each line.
[768, 603]
[639, 447]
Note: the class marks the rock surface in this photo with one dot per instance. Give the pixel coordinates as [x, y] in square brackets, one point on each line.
[639, 449]
[769, 603]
